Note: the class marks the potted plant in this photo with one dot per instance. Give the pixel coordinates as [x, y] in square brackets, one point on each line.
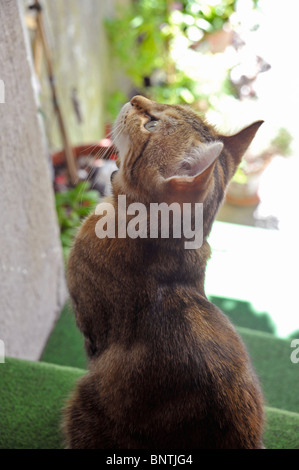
[72, 206]
[88, 157]
[243, 190]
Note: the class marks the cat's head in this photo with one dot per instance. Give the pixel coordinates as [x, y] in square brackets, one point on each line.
[167, 153]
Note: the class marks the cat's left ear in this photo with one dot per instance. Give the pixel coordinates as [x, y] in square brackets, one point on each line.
[192, 178]
[238, 143]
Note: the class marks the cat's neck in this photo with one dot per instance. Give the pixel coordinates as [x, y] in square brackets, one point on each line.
[180, 266]
[167, 260]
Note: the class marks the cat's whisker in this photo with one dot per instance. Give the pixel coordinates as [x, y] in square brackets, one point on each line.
[107, 136]
[91, 168]
[102, 153]
[82, 190]
[110, 133]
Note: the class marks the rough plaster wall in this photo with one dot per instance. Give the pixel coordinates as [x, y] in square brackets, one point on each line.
[32, 285]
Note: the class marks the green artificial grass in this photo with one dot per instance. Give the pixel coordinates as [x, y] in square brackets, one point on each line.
[278, 375]
[282, 429]
[33, 395]
[242, 313]
[65, 345]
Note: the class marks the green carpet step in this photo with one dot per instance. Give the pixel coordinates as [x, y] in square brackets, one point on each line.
[270, 356]
[282, 429]
[278, 375]
[33, 394]
[243, 313]
[65, 345]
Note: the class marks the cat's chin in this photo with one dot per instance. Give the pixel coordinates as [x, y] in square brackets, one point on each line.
[120, 139]
[122, 144]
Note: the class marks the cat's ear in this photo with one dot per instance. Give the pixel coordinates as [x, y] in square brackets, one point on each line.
[192, 177]
[238, 143]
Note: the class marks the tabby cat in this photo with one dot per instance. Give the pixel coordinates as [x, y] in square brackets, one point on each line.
[167, 370]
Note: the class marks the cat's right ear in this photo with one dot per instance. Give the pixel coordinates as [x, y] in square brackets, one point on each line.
[192, 178]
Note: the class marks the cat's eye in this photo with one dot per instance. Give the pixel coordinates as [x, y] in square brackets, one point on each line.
[151, 124]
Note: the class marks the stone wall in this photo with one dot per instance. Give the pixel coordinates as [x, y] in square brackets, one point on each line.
[32, 280]
[32, 283]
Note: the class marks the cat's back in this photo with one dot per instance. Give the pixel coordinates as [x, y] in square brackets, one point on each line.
[177, 383]
[164, 361]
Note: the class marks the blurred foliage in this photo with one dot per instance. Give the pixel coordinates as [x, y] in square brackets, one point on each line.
[240, 176]
[142, 35]
[72, 207]
[282, 142]
[137, 39]
[208, 16]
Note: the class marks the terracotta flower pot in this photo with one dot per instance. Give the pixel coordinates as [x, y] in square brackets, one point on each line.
[95, 149]
[103, 149]
[244, 194]
[247, 192]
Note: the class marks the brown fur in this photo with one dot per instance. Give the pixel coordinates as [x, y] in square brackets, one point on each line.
[166, 367]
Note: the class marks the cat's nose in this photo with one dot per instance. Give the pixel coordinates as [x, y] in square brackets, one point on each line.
[140, 102]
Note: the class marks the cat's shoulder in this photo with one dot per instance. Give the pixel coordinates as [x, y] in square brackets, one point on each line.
[88, 227]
